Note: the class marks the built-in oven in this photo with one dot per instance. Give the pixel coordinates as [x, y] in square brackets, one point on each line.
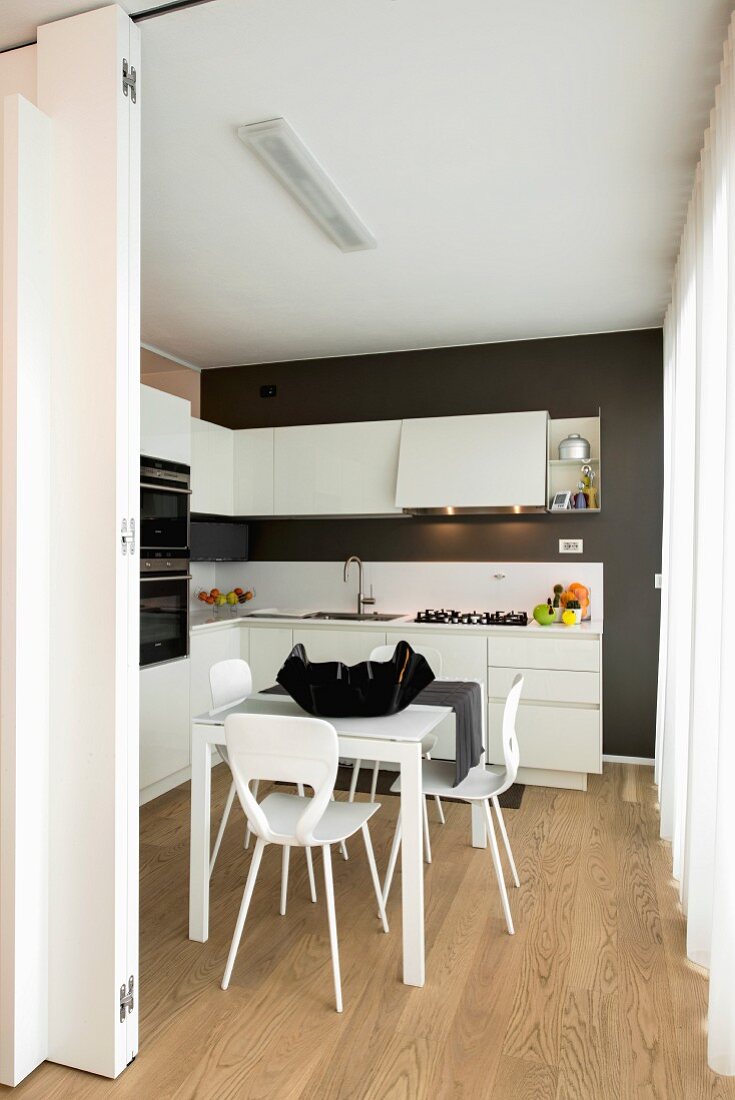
[165, 489]
[164, 608]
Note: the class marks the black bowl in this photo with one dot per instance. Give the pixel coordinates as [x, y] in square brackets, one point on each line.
[330, 689]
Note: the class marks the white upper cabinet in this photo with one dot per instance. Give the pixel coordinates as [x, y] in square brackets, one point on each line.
[253, 472]
[165, 430]
[493, 460]
[211, 468]
[337, 469]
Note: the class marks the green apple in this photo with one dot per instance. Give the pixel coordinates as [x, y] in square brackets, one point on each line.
[543, 614]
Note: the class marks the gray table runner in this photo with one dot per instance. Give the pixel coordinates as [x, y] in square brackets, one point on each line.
[465, 699]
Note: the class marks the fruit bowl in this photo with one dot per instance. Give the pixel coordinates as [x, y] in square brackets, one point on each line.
[221, 602]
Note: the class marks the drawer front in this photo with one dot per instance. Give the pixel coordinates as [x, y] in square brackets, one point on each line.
[546, 686]
[463, 658]
[573, 654]
[559, 738]
[349, 646]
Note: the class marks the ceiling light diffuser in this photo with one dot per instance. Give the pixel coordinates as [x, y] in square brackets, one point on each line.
[286, 157]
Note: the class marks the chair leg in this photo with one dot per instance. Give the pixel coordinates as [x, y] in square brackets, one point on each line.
[506, 842]
[310, 872]
[353, 781]
[374, 784]
[244, 906]
[332, 918]
[437, 799]
[285, 856]
[248, 831]
[498, 869]
[374, 875]
[221, 831]
[395, 847]
[427, 839]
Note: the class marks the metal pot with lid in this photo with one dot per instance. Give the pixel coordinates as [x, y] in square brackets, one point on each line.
[575, 446]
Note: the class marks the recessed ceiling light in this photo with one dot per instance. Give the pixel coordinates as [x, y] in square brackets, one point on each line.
[284, 154]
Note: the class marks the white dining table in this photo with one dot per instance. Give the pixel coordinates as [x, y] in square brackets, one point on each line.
[393, 739]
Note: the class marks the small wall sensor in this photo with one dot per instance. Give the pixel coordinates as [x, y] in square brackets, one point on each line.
[268, 391]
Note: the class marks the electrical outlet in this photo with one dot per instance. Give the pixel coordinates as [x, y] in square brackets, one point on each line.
[570, 546]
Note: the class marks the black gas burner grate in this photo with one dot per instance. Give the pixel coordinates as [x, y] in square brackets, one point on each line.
[472, 618]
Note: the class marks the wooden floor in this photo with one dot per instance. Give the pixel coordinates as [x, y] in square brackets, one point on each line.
[591, 998]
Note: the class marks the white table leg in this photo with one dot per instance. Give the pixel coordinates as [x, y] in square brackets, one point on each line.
[201, 797]
[412, 866]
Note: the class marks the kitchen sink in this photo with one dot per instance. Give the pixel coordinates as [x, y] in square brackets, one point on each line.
[354, 616]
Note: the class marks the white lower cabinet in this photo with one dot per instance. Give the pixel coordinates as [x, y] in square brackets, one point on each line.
[348, 646]
[559, 723]
[463, 658]
[551, 738]
[164, 726]
[269, 648]
[547, 685]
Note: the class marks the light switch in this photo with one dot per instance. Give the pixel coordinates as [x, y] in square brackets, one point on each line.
[570, 546]
[658, 580]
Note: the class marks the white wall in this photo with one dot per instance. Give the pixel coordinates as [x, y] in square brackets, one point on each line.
[411, 586]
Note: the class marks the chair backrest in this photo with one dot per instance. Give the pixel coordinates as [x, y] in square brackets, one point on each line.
[287, 750]
[433, 656]
[230, 682]
[511, 752]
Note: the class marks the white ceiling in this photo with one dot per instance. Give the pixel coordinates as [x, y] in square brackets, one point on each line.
[525, 168]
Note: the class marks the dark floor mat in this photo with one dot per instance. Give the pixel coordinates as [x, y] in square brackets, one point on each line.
[511, 800]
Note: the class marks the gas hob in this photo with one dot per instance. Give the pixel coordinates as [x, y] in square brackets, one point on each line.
[472, 618]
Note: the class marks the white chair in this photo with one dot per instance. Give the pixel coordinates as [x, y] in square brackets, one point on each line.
[302, 751]
[434, 657]
[230, 683]
[481, 785]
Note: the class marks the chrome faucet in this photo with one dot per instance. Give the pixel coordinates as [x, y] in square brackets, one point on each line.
[363, 601]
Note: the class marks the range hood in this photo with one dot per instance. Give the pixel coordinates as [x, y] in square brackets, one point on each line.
[481, 464]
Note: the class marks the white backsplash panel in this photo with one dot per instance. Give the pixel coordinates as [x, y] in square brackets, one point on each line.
[407, 587]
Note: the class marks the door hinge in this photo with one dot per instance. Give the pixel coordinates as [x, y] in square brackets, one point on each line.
[127, 1001]
[127, 537]
[129, 78]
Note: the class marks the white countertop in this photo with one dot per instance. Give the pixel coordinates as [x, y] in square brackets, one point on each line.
[291, 618]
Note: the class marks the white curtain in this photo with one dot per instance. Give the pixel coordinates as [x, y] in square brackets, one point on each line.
[695, 737]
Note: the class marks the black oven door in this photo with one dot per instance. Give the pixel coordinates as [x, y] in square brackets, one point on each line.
[164, 619]
[164, 517]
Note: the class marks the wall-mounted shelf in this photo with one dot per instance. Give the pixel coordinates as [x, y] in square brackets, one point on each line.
[564, 473]
[573, 462]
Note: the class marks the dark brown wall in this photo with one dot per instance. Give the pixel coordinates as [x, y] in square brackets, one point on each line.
[621, 373]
